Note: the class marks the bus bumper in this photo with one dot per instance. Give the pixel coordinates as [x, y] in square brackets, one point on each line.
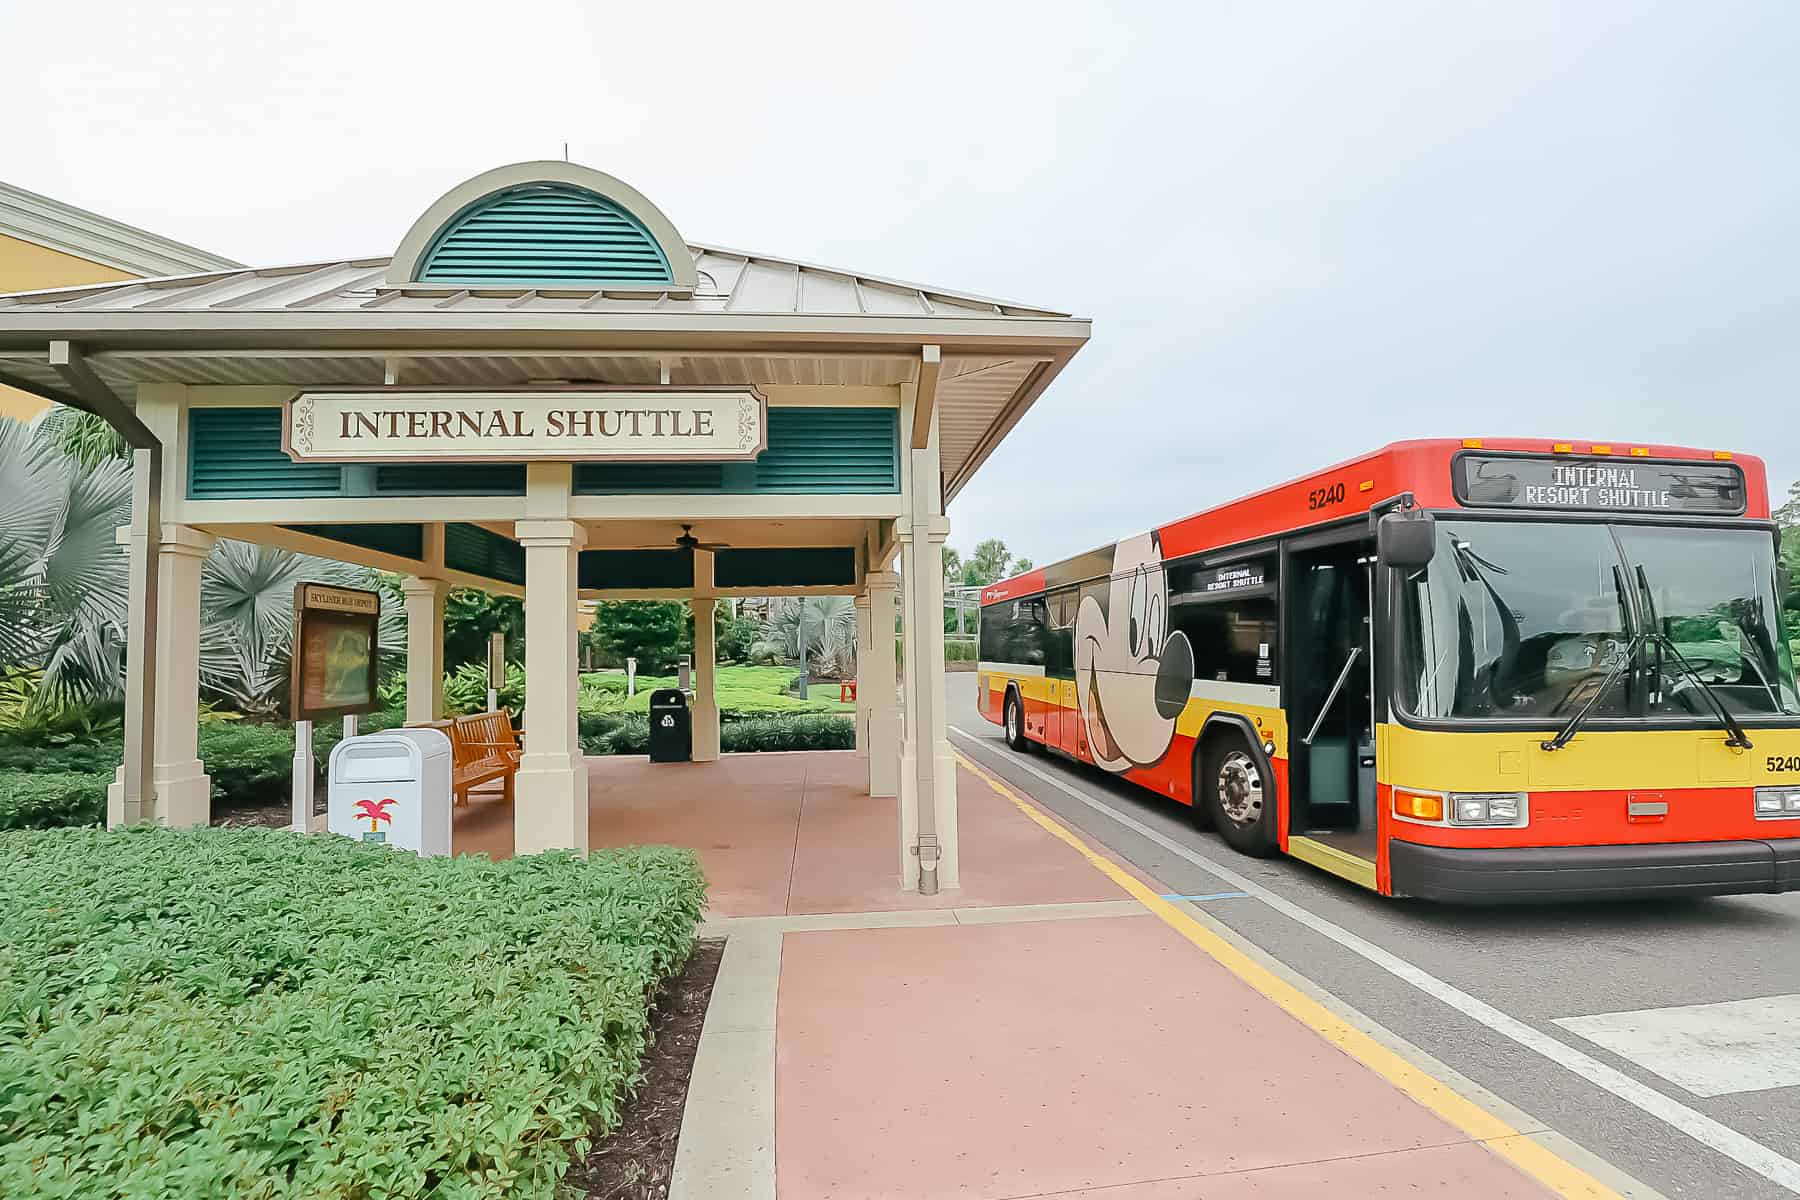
[1537, 874]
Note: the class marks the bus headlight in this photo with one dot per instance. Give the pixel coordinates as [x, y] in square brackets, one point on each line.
[1777, 804]
[1505, 810]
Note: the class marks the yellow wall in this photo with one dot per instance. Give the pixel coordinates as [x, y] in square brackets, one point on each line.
[26, 266]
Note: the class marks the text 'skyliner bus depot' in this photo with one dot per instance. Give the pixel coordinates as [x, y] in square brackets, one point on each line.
[1476, 670]
[538, 395]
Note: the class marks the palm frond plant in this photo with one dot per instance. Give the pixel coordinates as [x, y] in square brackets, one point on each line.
[247, 620]
[830, 632]
[62, 573]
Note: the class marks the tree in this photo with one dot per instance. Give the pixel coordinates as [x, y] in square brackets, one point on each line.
[471, 616]
[1787, 518]
[651, 631]
[991, 558]
[953, 563]
[830, 633]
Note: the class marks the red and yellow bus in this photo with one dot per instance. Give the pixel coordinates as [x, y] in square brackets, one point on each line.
[1477, 670]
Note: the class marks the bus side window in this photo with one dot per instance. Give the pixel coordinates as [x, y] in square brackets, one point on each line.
[1059, 659]
[1229, 615]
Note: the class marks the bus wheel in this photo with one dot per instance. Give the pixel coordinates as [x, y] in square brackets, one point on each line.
[1240, 799]
[1015, 724]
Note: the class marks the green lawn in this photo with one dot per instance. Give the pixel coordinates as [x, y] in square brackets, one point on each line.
[739, 689]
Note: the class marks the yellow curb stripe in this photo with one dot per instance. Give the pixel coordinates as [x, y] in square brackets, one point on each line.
[1559, 1175]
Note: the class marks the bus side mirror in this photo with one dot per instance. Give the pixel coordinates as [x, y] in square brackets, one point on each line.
[1405, 541]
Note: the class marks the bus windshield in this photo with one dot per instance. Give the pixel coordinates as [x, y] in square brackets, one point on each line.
[1528, 620]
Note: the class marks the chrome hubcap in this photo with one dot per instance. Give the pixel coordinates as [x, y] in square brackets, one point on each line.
[1012, 721]
[1240, 789]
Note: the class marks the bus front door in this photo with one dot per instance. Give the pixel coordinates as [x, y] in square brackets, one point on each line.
[1330, 714]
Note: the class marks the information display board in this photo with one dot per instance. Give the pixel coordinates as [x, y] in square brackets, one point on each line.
[336, 652]
[1600, 484]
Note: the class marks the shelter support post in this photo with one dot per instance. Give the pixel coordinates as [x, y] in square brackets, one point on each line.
[862, 657]
[550, 810]
[878, 692]
[424, 648]
[706, 700]
[928, 822]
[180, 793]
[131, 798]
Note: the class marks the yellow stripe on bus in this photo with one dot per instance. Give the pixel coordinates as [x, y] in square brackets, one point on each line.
[1466, 760]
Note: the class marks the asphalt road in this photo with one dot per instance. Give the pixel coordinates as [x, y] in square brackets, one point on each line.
[1495, 982]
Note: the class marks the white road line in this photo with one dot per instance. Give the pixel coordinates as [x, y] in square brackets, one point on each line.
[1755, 1156]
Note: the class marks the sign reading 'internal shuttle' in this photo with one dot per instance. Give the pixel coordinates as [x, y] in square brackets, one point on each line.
[1600, 485]
[568, 425]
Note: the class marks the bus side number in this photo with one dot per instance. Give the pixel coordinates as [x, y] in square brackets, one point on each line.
[1784, 763]
[1325, 497]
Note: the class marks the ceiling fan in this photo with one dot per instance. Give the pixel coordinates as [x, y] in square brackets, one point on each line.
[687, 541]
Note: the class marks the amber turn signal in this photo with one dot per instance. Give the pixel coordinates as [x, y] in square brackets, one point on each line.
[1418, 806]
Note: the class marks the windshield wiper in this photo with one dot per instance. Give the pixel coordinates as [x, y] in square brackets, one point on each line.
[1612, 677]
[1737, 736]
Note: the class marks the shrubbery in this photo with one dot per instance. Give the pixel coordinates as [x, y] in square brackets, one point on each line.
[48, 799]
[800, 731]
[629, 733]
[254, 1013]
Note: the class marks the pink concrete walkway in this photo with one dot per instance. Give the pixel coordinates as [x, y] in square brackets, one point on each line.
[1105, 1058]
[784, 834]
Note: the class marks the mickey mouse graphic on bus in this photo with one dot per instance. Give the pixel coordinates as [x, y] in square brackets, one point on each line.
[1132, 675]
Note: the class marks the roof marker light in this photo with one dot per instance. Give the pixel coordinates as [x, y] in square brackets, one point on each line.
[1598, 449]
[1640, 452]
[1562, 447]
[1471, 443]
[1722, 455]
[1367, 485]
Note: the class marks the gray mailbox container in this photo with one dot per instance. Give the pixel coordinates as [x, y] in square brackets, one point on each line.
[392, 788]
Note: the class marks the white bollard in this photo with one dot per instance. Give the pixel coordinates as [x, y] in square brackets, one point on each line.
[303, 774]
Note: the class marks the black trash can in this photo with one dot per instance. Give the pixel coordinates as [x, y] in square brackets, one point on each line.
[671, 726]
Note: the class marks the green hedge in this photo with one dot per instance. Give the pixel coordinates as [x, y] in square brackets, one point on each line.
[252, 1013]
[629, 733]
[49, 799]
[798, 732]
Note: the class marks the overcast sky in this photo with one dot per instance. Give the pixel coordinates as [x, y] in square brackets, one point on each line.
[1301, 230]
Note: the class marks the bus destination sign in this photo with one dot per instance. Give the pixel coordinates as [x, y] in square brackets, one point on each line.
[1600, 485]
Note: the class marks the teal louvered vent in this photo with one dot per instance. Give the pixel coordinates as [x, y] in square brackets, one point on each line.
[235, 454]
[831, 450]
[544, 234]
[406, 540]
[811, 451]
[450, 479]
[479, 551]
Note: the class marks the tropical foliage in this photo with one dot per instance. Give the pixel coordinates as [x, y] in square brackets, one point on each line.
[311, 1016]
[654, 632]
[63, 582]
[828, 626]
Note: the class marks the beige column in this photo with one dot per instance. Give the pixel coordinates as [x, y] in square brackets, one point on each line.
[706, 700]
[424, 648]
[862, 656]
[181, 792]
[927, 762]
[550, 810]
[879, 691]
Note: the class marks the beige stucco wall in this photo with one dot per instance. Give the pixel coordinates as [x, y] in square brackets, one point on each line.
[27, 266]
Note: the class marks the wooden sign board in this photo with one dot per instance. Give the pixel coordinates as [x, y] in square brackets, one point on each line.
[586, 424]
[337, 651]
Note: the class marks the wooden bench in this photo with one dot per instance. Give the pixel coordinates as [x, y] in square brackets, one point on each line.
[483, 748]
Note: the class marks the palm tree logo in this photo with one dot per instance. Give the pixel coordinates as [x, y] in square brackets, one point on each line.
[374, 812]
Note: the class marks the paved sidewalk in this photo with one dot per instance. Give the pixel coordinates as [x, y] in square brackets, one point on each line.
[1058, 1033]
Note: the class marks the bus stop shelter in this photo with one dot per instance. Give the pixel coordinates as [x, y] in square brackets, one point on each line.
[537, 394]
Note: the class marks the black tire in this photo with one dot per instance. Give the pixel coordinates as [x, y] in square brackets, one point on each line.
[1239, 797]
[1013, 718]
